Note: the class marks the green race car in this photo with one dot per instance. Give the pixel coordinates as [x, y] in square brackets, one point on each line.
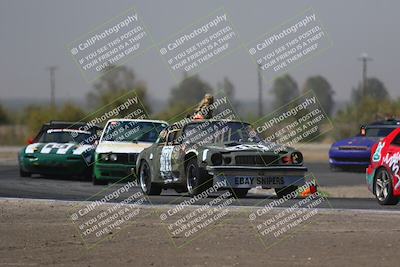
[60, 148]
[197, 155]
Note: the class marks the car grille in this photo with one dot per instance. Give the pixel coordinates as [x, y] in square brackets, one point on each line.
[256, 160]
[353, 148]
[122, 158]
[351, 159]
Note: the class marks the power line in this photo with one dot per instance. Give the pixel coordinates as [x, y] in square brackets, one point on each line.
[52, 70]
[364, 58]
[260, 103]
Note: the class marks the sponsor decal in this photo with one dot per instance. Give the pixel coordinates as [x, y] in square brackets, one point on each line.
[273, 180]
[48, 147]
[378, 152]
[64, 148]
[61, 149]
[392, 161]
[81, 149]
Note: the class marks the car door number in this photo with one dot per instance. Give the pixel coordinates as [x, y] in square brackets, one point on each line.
[166, 161]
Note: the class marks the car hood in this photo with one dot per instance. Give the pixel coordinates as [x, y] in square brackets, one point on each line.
[357, 141]
[121, 147]
[246, 146]
[57, 148]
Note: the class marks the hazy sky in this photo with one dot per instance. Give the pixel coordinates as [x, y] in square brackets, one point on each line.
[34, 35]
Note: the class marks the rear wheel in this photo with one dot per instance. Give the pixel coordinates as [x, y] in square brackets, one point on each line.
[146, 185]
[283, 191]
[383, 188]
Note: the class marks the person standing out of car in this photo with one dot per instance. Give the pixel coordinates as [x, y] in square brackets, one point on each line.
[203, 111]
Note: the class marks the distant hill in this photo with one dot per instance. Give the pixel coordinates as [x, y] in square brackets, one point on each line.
[18, 104]
[243, 108]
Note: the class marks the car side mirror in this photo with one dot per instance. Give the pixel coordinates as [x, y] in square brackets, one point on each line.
[30, 141]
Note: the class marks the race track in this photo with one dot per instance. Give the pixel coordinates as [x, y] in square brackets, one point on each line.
[37, 187]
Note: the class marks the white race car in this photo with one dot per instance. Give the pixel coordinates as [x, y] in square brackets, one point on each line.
[120, 144]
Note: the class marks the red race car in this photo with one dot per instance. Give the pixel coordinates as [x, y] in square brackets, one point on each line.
[383, 173]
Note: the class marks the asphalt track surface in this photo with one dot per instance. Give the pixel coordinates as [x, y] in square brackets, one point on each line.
[38, 187]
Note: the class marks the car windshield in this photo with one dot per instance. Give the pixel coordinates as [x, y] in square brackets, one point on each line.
[66, 136]
[132, 131]
[219, 132]
[378, 131]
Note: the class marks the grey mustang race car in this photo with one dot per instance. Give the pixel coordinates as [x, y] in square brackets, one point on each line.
[193, 156]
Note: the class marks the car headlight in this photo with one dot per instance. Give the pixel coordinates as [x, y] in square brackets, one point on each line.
[227, 160]
[297, 157]
[216, 159]
[105, 157]
[113, 157]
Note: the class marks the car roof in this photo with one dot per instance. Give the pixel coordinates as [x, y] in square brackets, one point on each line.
[180, 125]
[53, 124]
[66, 125]
[138, 120]
[390, 123]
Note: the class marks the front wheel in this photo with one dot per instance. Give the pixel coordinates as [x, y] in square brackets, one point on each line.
[281, 192]
[194, 180]
[384, 189]
[23, 173]
[146, 185]
[96, 181]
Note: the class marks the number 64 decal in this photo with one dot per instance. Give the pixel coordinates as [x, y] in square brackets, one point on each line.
[166, 160]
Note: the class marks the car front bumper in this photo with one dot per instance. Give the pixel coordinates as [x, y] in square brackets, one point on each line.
[250, 177]
[349, 158]
[111, 171]
[55, 165]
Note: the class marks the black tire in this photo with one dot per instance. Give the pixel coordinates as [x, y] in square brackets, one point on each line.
[96, 181]
[180, 189]
[239, 192]
[194, 178]
[383, 188]
[146, 184]
[283, 191]
[88, 175]
[23, 173]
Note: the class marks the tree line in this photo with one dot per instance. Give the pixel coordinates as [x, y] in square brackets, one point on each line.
[368, 103]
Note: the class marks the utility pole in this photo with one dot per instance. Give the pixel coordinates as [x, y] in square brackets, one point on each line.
[364, 58]
[260, 103]
[52, 70]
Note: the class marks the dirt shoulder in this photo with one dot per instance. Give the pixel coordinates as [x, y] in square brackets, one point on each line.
[40, 233]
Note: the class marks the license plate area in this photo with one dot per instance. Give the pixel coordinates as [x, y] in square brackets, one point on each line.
[270, 181]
